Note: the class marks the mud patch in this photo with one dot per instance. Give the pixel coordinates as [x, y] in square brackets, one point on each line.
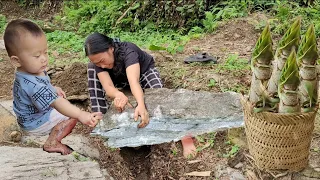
[45, 11]
[6, 76]
[73, 80]
[138, 161]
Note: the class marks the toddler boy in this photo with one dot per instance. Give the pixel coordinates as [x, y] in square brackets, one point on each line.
[40, 108]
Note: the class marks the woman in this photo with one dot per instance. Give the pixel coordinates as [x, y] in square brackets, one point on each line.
[115, 65]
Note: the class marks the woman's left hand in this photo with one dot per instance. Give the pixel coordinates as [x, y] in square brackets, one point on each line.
[60, 92]
[143, 113]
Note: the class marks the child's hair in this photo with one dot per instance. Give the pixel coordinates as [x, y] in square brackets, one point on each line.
[15, 30]
[98, 43]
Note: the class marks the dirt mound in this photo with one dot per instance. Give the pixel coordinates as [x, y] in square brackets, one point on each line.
[72, 79]
[6, 76]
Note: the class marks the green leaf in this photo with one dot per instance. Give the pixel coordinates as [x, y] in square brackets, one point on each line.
[234, 149]
[137, 5]
[212, 83]
[180, 48]
[156, 48]
[179, 9]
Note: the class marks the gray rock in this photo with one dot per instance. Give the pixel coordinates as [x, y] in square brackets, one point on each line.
[33, 164]
[236, 175]
[173, 115]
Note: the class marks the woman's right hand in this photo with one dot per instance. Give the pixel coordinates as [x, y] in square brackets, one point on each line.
[120, 101]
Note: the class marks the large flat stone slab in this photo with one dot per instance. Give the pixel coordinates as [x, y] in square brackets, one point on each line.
[77, 142]
[8, 105]
[173, 115]
[33, 164]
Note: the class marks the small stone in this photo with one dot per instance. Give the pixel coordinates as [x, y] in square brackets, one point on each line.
[2, 45]
[236, 35]
[236, 175]
[59, 69]
[16, 136]
[238, 166]
[248, 49]
[51, 71]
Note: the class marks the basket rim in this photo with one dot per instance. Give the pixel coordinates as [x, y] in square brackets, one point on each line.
[282, 119]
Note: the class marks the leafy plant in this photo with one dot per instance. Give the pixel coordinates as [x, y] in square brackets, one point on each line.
[205, 141]
[212, 83]
[64, 41]
[232, 152]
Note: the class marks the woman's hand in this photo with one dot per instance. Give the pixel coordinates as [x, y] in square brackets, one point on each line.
[120, 101]
[143, 113]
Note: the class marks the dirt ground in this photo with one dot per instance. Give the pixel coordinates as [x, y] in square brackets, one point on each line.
[165, 161]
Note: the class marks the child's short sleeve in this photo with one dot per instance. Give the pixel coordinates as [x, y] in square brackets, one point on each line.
[41, 92]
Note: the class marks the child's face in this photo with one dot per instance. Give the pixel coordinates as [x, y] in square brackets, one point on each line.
[32, 56]
[104, 59]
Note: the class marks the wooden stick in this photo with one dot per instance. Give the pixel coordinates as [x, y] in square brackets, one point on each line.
[118, 21]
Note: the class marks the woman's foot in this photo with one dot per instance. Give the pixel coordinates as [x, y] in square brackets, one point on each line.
[57, 147]
[189, 149]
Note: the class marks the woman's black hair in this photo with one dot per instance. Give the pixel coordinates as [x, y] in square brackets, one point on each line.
[98, 43]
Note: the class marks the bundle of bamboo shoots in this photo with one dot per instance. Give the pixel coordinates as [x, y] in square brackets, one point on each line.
[293, 84]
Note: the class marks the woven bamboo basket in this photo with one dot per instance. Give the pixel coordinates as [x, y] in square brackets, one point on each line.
[278, 141]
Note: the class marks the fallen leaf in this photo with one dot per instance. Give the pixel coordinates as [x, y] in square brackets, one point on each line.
[194, 161]
[202, 173]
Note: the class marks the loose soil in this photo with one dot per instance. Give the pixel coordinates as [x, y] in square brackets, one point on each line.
[165, 161]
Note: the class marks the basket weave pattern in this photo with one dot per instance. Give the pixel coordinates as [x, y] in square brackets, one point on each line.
[278, 141]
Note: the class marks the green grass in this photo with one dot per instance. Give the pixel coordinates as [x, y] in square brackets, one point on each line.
[233, 64]
[63, 41]
[3, 22]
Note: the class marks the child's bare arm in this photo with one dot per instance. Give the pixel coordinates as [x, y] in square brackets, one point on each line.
[66, 108]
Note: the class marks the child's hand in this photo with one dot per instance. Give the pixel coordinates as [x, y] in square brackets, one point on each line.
[60, 92]
[90, 119]
[120, 101]
[143, 113]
